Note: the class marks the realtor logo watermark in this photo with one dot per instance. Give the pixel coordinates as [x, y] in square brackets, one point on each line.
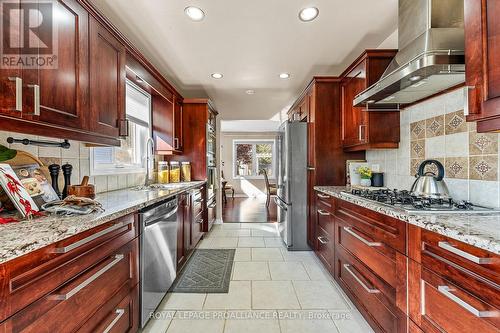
[28, 34]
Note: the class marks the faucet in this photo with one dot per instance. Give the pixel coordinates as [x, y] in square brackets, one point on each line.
[149, 157]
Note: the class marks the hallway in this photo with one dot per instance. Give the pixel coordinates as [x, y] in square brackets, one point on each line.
[271, 290]
[248, 210]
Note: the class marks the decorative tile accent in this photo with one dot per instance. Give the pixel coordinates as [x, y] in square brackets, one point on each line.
[483, 143]
[434, 126]
[483, 167]
[455, 122]
[417, 130]
[417, 149]
[457, 167]
[414, 164]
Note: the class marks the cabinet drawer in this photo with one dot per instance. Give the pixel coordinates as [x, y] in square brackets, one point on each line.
[369, 293]
[325, 247]
[324, 215]
[34, 275]
[443, 302]
[381, 228]
[69, 306]
[116, 316]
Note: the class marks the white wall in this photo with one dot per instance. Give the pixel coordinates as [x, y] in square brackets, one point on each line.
[242, 187]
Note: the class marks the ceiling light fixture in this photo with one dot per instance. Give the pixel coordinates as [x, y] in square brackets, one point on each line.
[284, 76]
[194, 13]
[250, 92]
[217, 75]
[308, 14]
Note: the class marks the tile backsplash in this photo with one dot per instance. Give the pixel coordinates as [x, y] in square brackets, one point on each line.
[436, 129]
[79, 157]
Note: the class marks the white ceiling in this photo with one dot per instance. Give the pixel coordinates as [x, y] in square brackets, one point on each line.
[249, 126]
[251, 42]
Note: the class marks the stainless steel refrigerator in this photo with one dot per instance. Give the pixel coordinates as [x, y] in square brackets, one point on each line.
[292, 184]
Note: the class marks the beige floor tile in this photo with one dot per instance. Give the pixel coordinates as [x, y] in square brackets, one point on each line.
[181, 301]
[266, 254]
[319, 295]
[258, 322]
[230, 226]
[274, 242]
[274, 295]
[288, 270]
[297, 255]
[306, 322]
[159, 323]
[238, 297]
[251, 242]
[184, 324]
[266, 232]
[350, 323]
[232, 233]
[243, 254]
[247, 271]
[258, 226]
[205, 243]
[316, 271]
[224, 242]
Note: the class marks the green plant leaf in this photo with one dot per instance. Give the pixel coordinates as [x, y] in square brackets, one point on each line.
[6, 153]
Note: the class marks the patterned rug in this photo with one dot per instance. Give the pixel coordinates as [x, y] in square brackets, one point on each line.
[207, 271]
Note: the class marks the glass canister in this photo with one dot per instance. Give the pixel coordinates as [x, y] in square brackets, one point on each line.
[163, 172]
[186, 171]
[175, 172]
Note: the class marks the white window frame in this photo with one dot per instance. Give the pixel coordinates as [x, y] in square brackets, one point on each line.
[125, 169]
[254, 158]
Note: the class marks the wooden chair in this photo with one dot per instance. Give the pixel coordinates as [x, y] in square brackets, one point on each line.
[226, 187]
[271, 189]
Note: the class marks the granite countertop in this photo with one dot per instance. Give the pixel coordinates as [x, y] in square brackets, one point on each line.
[17, 239]
[478, 229]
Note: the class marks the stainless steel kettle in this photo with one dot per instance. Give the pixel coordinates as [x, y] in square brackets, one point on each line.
[428, 184]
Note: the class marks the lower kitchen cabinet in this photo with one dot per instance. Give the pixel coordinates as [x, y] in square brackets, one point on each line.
[49, 290]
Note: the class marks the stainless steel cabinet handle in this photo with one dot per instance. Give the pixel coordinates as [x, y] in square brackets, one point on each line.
[361, 138]
[310, 168]
[200, 221]
[77, 289]
[323, 196]
[176, 143]
[119, 313]
[447, 246]
[86, 240]
[446, 291]
[323, 212]
[361, 283]
[36, 98]
[19, 92]
[322, 240]
[364, 241]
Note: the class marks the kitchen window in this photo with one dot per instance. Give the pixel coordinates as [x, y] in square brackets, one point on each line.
[130, 156]
[251, 157]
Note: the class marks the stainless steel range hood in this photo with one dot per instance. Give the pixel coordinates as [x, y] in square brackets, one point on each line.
[430, 58]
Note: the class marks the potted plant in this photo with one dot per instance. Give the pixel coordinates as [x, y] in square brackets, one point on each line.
[366, 175]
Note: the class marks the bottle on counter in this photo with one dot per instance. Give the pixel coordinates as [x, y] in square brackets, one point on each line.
[186, 171]
[163, 172]
[175, 172]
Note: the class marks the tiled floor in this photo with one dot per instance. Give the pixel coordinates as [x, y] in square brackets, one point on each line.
[272, 290]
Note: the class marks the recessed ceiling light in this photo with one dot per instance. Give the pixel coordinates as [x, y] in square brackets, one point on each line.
[284, 75]
[217, 75]
[308, 14]
[250, 92]
[194, 13]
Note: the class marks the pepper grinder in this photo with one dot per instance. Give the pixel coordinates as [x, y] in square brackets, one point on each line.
[54, 175]
[66, 169]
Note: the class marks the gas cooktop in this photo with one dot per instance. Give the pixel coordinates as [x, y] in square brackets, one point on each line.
[410, 203]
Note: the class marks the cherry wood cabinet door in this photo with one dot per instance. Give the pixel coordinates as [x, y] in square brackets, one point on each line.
[163, 123]
[354, 127]
[107, 82]
[11, 80]
[482, 62]
[181, 246]
[178, 133]
[60, 95]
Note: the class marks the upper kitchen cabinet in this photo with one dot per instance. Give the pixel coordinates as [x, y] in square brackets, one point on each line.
[363, 130]
[482, 63]
[107, 82]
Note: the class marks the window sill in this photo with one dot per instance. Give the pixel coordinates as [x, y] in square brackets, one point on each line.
[117, 171]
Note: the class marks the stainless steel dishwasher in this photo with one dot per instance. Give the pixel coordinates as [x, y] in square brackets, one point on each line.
[158, 254]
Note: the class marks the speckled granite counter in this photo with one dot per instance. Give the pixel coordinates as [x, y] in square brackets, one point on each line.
[17, 239]
[478, 229]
